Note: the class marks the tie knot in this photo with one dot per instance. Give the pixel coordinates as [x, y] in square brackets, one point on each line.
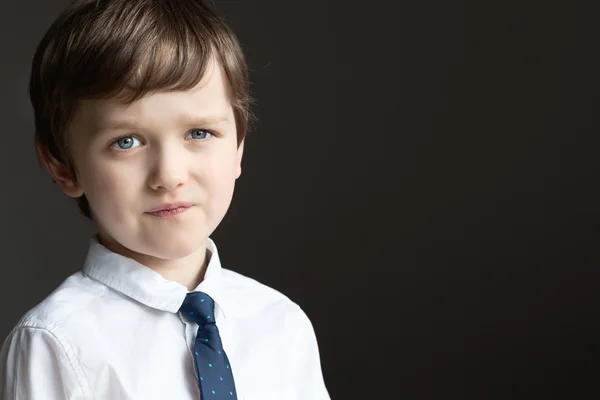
[200, 307]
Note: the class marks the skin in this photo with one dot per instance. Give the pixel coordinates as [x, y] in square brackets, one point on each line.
[166, 147]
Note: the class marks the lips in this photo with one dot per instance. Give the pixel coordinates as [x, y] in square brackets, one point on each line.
[170, 207]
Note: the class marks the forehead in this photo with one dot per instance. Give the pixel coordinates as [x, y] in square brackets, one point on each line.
[207, 99]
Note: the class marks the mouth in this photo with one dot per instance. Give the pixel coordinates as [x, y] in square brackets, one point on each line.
[167, 210]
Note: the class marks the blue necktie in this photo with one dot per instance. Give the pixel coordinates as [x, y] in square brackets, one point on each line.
[212, 366]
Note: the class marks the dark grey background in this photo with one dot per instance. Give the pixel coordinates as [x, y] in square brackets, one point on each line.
[421, 182]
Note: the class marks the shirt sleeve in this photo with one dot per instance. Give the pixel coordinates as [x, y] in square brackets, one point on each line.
[307, 375]
[34, 365]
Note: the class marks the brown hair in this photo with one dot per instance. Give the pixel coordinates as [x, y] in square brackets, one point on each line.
[126, 49]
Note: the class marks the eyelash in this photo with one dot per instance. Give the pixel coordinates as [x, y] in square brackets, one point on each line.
[114, 142]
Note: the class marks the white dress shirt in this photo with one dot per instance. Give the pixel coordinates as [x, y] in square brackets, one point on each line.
[113, 331]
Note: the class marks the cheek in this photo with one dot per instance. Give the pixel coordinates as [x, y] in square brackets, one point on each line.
[219, 182]
[108, 191]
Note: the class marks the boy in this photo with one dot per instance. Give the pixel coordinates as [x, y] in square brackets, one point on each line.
[141, 109]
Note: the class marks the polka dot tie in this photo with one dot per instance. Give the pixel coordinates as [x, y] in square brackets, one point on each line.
[212, 366]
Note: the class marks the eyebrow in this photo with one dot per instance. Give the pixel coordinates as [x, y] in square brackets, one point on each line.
[187, 120]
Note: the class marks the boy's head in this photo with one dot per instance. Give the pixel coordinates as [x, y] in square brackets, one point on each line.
[141, 103]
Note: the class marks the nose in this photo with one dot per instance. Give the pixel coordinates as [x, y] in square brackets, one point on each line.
[169, 168]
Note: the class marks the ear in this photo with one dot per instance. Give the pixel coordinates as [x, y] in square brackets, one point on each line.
[238, 160]
[59, 173]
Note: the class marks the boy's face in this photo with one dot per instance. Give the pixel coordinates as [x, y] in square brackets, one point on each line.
[164, 148]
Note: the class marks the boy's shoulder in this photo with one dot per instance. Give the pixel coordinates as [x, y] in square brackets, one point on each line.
[254, 300]
[256, 296]
[73, 295]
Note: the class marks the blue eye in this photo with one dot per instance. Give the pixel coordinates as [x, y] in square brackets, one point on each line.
[199, 134]
[124, 143]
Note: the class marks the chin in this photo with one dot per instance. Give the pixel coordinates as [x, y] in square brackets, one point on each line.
[178, 250]
[172, 248]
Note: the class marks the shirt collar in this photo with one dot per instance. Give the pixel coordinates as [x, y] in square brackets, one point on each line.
[146, 286]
